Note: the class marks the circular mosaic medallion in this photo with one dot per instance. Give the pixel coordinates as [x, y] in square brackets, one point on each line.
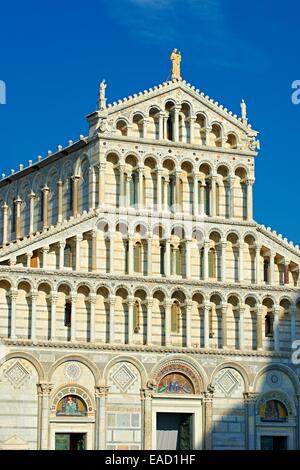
[72, 371]
[274, 379]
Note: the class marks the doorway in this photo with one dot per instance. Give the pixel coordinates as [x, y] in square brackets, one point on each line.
[174, 431]
[70, 441]
[273, 442]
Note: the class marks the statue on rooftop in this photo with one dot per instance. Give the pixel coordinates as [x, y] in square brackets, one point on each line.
[176, 59]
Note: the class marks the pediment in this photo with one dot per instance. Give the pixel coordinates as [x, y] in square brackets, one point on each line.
[15, 442]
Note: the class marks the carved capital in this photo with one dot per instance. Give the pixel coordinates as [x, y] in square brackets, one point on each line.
[44, 388]
[101, 392]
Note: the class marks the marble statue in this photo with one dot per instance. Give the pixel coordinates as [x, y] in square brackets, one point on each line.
[176, 59]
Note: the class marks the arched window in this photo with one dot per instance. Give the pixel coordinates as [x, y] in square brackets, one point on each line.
[178, 256]
[68, 314]
[162, 258]
[71, 193]
[171, 188]
[133, 189]
[269, 325]
[266, 270]
[136, 317]
[14, 218]
[207, 198]
[137, 253]
[212, 263]
[126, 256]
[169, 128]
[175, 318]
[68, 256]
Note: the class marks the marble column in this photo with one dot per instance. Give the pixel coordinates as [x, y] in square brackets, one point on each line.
[178, 201]
[192, 120]
[18, 204]
[53, 300]
[272, 261]
[259, 332]
[128, 179]
[196, 195]
[130, 255]
[149, 320]
[76, 180]
[241, 261]
[101, 184]
[159, 172]
[224, 308]
[62, 246]
[208, 419]
[293, 315]
[28, 260]
[249, 184]
[101, 395]
[232, 197]
[60, 189]
[257, 264]
[161, 126]
[5, 224]
[92, 187]
[202, 198]
[32, 198]
[213, 195]
[189, 306]
[13, 295]
[165, 189]
[146, 398]
[73, 316]
[94, 251]
[140, 198]
[207, 307]
[223, 260]
[250, 418]
[112, 252]
[45, 251]
[205, 260]
[78, 239]
[112, 303]
[130, 319]
[149, 255]
[188, 258]
[92, 299]
[168, 257]
[242, 309]
[276, 329]
[122, 192]
[168, 305]
[144, 129]
[34, 295]
[44, 390]
[46, 192]
[176, 123]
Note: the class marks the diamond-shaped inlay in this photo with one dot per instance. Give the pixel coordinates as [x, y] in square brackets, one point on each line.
[123, 378]
[227, 382]
[17, 374]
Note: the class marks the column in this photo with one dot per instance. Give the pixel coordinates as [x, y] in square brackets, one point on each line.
[28, 262]
[60, 188]
[224, 307]
[130, 255]
[79, 239]
[146, 396]
[205, 260]
[46, 192]
[101, 187]
[92, 187]
[130, 319]
[32, 197]
[231, 204]
[165, 183]
[159, 172]
[93, 299]
[249, 184]
[54, 298]
[128, 179]
[257, 264]
[144, 130]
[5, 223]
[161, 126]
[101, 394]
[122, 199]
[213, 196]
[62, 246]
[188, 258]
[293, 313]
[176, 123]
[241, 261]
[34, 295]
[13, 301]
[168, 304]
[178, 202]
[167, 258]
[111, 252]
[223, 260]
[272, 256]
[196, 195]
[286, 279]
[73, 316]
[202, 206]
[76, 180]
[149, 255]
[45, 250]
[276, 329]
[44, 390]
[242, 326]
[208, 418]
[189, 324]
[192, 120]
[166, 115]
[18, 203]
[207, 307]
[112, 303]
[149, 320]
[94, 251]
[250, 404]
[140, 198]
[259, 313]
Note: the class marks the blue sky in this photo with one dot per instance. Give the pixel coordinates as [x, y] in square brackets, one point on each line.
[53, 55]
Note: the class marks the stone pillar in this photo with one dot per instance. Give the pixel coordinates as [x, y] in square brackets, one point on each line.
[73, 316]
[46, 192]
[13, 301]
[242, 326]
[208, 418]
[178, 201]
[232, 201]
[146, 398]
[62, 246]
[223, 260]
[272, 256]
[93, 299]
[28, 261]
[165, 184]
[34, 295]
[176, 123]
[54, 298]
[250, 418]
[159, 172]
[205, 260]
[79, 239]
[167, 258]
[202, 206]
[149, 255]
[5, 223]
[44, 390]
[76, 180]
[18, 203]
[122, 186]
[60, 189]
[213, 196]
[101, 394]
[140, 198]
[192, 120]
[32, 197]
[166, 116]
[112, 303]
[128, 179]
[101, 187]
[111, 252]
[168, 305]
[276, 329]
[130, 255]
[207, 307]
[196, 195]
[189, 324]
[188, 258]
[257, 264]
[94, 251]
[224, 307]
[286, 279]
[259, 332]
[144, 130]
[241, 261]
[249, 184]
[293, 314]
[45, 250]
[149, 320]
[130, 319]
[92, 187]
[161, 126]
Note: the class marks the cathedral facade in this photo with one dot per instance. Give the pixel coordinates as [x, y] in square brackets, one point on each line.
[142, 307]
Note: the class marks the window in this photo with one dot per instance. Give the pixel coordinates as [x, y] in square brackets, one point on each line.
[169, 129]
[133, 189]
[68, 256]
[212, 263]
[175, 318]
[68, 314]
[136, 317]
[266, 270]
[171, 191]
[269, 325]
[178, 261]
[162, 258]
[14, 218]
[71, 194]
[137, 253]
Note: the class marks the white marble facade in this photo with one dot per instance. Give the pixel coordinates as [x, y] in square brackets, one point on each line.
[131, 255]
